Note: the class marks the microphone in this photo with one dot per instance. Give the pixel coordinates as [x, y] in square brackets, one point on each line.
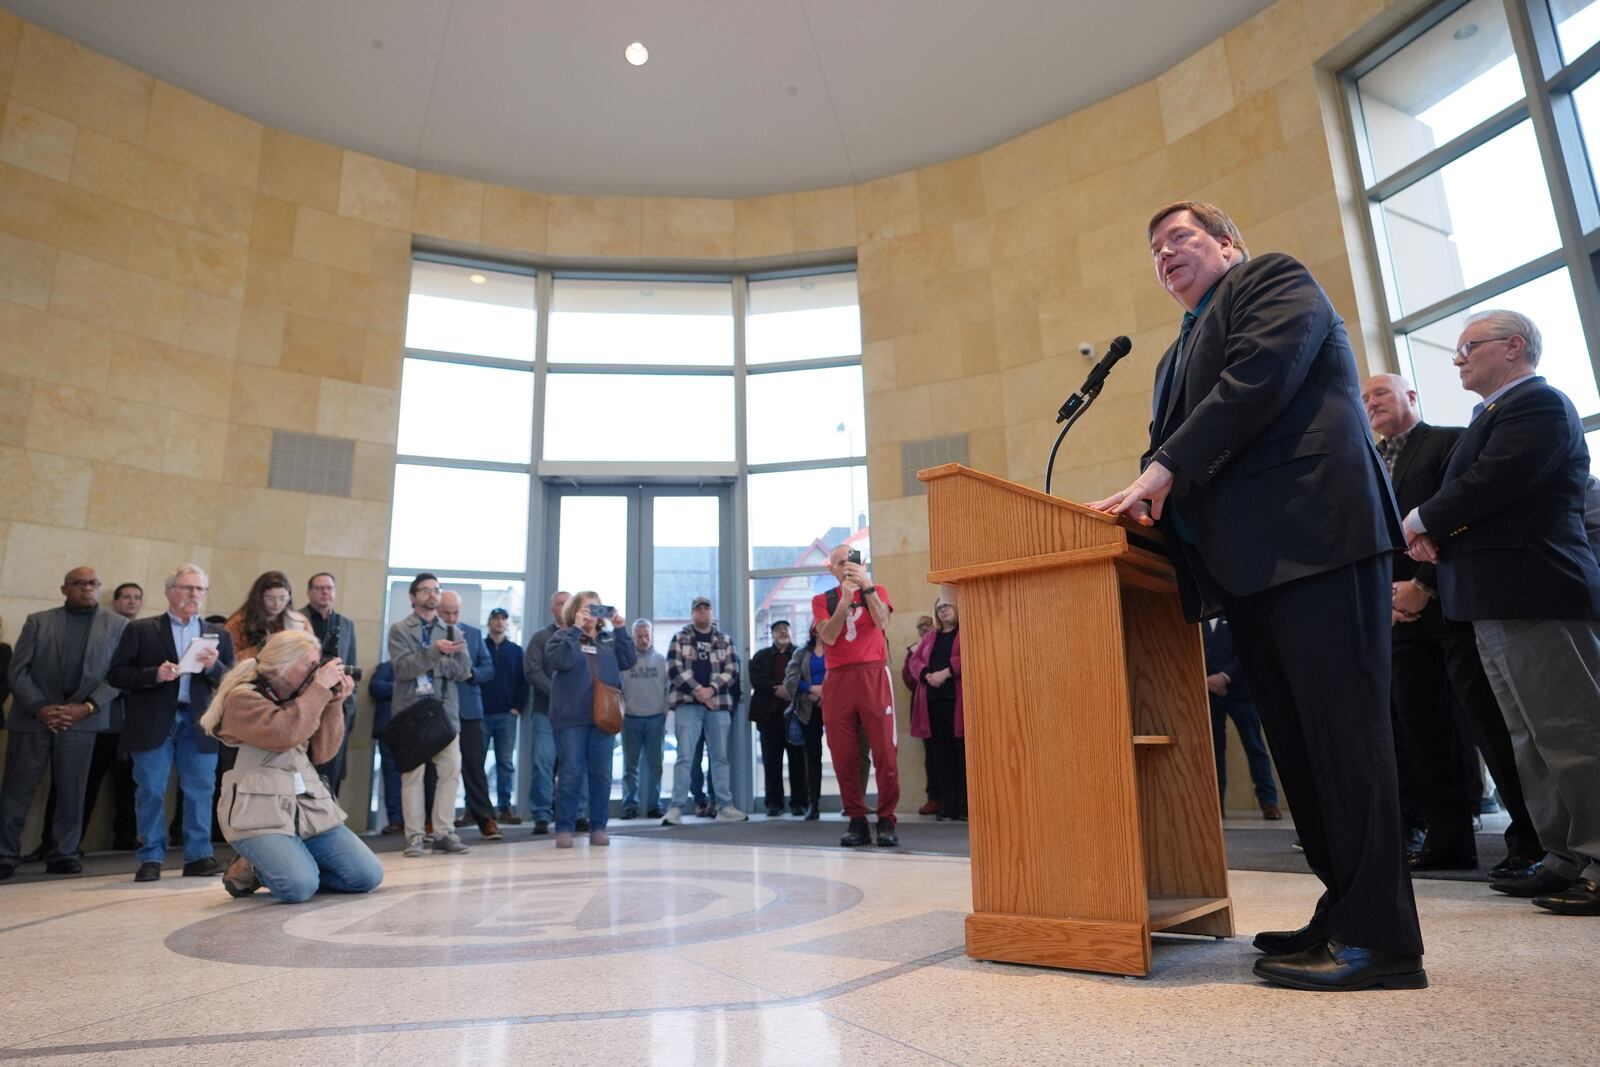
[1120, 347]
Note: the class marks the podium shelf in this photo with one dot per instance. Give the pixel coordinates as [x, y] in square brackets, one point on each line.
[1168, 911]
[1140, 740]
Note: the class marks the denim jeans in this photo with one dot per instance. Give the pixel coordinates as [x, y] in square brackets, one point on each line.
[197, 777]
[691, 722]
[1247, 721]
[392, 805]
[642, 737]
[501, 732]
[293, 869]
[585, 757]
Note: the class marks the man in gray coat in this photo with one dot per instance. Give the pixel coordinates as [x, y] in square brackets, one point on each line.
[430, 660]
[61, 702]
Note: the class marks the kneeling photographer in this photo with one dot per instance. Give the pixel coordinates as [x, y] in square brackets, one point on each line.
[284, 712]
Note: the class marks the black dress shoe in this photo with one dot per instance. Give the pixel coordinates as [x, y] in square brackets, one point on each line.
[630, 813]
[582, 826]
[1442, 861]
[1511, 867]
[797, 809]
[1335, 968]
[887, 838]
[1288, 942]
[1537, 883]
[813, 813]
[148, 872]
[541, 826]
[64, 866]
[7, 870]
[1581, 898]
[773, 813]
[654, 813]
[204, 867]
[858, 834]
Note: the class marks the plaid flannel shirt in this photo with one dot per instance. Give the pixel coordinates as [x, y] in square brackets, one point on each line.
[680, 668]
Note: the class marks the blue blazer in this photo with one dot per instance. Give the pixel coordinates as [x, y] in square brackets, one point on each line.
[571, 686]
[471, 699]
[1509, 516]
[1223, 658]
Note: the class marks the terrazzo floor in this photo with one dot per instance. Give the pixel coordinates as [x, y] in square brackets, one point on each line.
[670, 952]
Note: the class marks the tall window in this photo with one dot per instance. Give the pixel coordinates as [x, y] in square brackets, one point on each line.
[1471, 127]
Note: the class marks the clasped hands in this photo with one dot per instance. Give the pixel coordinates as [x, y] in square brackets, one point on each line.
[1142, 501]
[58, 717]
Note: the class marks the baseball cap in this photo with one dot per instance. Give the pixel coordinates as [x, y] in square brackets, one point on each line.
[502, 612]
[700, 600]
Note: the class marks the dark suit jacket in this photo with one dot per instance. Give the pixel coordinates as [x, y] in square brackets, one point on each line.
[34, 670]
[1277, 477]
[1418, 473]
[151, 705]
[1509, 517]
[346, 650]
[1223, 658]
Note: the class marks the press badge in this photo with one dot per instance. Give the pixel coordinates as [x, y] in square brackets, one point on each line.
[425, 685]
[299, 783]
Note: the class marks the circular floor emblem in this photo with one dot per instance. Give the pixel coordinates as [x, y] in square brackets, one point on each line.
[505, 920]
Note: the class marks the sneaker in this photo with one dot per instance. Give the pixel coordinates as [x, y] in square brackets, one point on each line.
[448, 843]
[240, 879]
[541, 826]
[563, 839]
[858, 834]
[653, 813]
[700, 808]
[509, 817]
[414, 845]
[599, 837]
[490, 830]
[930, 808]
[887, 838]
[582, 826]
[729, 813]
[149, 871]
[673, 817]
[394, 828]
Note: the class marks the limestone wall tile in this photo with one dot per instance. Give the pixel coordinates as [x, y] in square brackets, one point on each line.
[285, 284]
[377, 190]
[81, 85]
[195, 447]
[824, 219]
[27, 269]
[165, 376]
[986, 450]
[247, 451]
[1329, 22]
[260, 336]
[1265, 49]
[1295, 173]
[37, 556]
[1024, 166]
[1299, 104]
[347, 528]
[391, 255]
[951, 192]
[134, 177]
[1122, 127]
[364, 412]
[80, 422]
[93, 291]
[272, 225]
[322, 348]
[448, 207]
[963, 295]
[224, 209]
[261, 519]
[514, 218]
[373, 475]
[136, 503]
[300, 170]
[184, 255]
[43, 488]
[899, 525]
[267, 396]
[10, 41]
[609, 226]
[333, 240]
[931, 356]
[686, 227]
[383, 357]
[979, 348]
[899, 415]
[891, 311]
[16, 401]
[1196, 91]
[363, 593]
[887, 207]
[877, 366]
[962, 405]
[203, 136]
[368, 302]
[53, 213]
[53, 348]
[38, 141]
[763, 226]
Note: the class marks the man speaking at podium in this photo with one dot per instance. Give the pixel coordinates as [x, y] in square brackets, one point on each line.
[1263, 477]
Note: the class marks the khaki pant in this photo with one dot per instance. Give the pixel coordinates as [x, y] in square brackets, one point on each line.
[448, 765]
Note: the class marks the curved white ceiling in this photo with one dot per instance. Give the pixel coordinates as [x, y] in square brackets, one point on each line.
[740, 97]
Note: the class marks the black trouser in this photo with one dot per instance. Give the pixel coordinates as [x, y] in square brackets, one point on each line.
[813, 757]
[334, 769]
[1447, 784]
[124, 827]
[931, 772]
[474, 781]
[1442, 656]
[1317, 653]
[949, 756]
[773, 731]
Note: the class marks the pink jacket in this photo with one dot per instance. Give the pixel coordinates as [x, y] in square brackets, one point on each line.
[919, 703]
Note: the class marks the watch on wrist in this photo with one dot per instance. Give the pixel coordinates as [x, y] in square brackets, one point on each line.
[868, 589]
[89, 703]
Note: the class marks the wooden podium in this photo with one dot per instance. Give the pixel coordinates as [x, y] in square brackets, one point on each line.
[1091, 783]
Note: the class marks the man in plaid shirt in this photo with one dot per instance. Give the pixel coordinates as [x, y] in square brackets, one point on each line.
[702, 672]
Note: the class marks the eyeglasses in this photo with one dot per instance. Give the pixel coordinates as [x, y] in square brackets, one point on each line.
[190, 588]
[1464, 349]
[85, 583]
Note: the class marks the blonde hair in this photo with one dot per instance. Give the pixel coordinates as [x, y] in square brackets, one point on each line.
[569, 612]
[282, 650]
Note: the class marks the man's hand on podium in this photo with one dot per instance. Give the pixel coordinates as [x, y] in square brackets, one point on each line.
[1143, 500]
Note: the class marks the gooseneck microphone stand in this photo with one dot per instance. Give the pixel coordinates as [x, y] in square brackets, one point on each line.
[1079, 402]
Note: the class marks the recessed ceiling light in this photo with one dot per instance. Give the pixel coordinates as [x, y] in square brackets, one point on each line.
[1465, 31]
[477, 279]
[636, 54]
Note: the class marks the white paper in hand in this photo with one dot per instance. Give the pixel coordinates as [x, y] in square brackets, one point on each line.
[190, 663]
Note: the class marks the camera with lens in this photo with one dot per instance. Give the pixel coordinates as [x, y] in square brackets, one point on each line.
[330, 647]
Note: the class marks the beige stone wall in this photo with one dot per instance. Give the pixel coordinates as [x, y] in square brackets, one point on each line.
[177, 280]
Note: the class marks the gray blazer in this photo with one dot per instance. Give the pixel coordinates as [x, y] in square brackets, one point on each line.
[412, 659]
[35, 679]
